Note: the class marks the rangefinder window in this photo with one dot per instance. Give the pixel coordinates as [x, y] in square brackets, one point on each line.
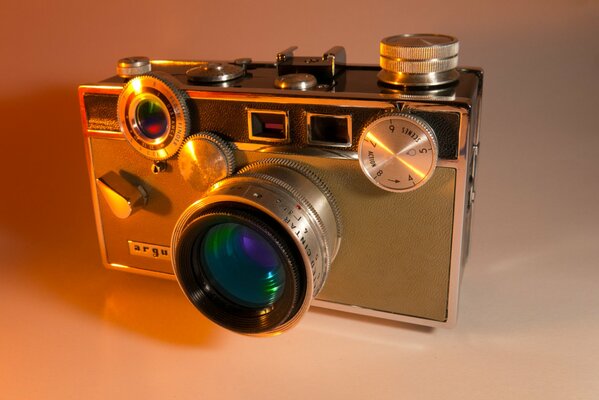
[270, 126]
[329, 130]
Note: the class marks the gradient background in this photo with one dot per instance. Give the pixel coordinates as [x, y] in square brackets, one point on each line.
[529, 320]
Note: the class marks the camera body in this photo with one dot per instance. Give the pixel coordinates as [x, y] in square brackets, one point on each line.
[302, 156]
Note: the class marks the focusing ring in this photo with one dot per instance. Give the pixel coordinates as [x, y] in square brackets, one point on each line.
[308, 173]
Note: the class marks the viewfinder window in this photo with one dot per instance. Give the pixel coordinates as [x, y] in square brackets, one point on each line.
[271, 126]
[329, 130]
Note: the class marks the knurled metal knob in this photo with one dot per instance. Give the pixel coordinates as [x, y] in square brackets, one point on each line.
[132, 66]
[419, 59]
[205, 159]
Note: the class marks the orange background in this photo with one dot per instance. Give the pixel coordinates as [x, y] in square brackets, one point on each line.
[528, 323]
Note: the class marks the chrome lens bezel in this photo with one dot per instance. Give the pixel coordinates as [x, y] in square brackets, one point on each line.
[150, 87]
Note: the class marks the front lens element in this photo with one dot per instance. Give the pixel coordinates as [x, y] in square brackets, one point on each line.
[242, 265]
[152, 118]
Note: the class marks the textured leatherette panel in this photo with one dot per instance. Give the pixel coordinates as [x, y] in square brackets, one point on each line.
[396, 247]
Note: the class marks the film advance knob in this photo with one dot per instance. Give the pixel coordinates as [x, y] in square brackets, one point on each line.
[419, 60]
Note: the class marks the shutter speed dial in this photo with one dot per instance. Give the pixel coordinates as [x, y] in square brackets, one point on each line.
[398, 152]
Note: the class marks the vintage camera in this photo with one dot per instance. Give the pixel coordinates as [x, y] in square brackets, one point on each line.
[267, 187]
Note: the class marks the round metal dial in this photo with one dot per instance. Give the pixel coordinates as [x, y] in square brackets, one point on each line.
[296, 81]
[153, 116]
[419, 60]
[398, 152]
[205, 159]
[214, 72]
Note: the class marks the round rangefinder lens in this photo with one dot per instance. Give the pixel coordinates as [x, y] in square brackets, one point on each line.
[242, 265]
[152, 118]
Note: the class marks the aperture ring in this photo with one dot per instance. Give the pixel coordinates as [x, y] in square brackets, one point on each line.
[308, 173]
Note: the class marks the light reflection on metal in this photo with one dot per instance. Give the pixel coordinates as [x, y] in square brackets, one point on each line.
[205, 158]
[136, 84]
[122, 197]
[374, 139]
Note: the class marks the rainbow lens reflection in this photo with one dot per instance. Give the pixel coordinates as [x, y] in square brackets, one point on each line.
[242, 265]
[152, 118]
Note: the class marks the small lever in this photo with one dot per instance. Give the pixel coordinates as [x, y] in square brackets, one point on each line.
[122, 197]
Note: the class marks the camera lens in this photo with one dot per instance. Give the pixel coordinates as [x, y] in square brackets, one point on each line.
[239, 268]
[255, 250]
[241, 264]
[152, 118]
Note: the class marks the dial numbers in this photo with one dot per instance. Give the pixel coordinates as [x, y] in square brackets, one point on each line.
[398, 152]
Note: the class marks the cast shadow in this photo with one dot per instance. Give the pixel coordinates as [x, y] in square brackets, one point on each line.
[46, 211]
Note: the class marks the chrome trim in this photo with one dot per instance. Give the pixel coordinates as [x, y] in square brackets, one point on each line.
[91, 175]
[251, 136]
[367, 100]
[175, 63]
[99, 132]
[304, 151]
[309, 115]
[96, 204]
[265, 98]
[139, 271]
[368, 312]
[339, 154]
[100, 89]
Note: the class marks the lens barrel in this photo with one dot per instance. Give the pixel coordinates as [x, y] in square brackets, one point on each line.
[254, 251]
